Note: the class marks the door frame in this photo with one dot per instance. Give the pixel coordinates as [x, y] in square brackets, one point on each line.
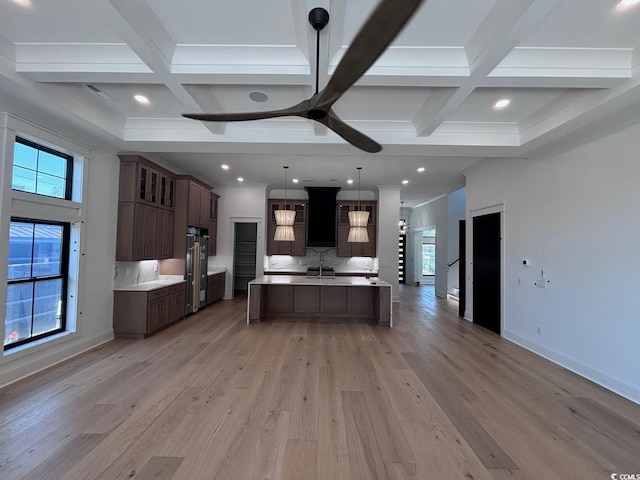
[478, 212]
[260, 249]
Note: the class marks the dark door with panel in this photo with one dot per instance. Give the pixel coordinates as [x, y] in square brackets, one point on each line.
[486, 271]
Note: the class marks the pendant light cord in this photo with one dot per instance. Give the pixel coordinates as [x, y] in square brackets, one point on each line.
[359, 169]
[317, 59]
[285, 188]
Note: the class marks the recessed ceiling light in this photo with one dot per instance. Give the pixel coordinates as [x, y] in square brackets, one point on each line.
[404, 182]
[350, 181]
[224, 166]
[240, 179]
[421, 169]
[501, 103]
[141, 99]
[259, 97]
[627, 4]
[22, 3]
[295, 180]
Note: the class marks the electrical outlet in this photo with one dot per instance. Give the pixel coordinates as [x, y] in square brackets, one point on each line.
[542, 283]
[539, 330]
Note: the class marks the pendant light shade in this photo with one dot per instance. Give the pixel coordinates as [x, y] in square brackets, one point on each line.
[284, 233]
[285, 219]
[358, 220]
[358, 235]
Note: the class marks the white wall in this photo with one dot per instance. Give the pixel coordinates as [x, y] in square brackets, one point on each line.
[456, 208]
[577, 217]
[98, 212]
[443, 213]
[387, 241]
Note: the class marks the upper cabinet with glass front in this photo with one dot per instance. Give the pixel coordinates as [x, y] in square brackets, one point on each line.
[142, 181]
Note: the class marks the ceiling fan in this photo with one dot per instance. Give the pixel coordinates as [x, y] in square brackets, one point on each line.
[374, 36]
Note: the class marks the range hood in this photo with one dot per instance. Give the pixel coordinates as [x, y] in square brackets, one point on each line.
[321, 216]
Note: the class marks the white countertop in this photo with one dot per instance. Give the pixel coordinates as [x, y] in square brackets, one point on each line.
[300, 280]
[148, 286]
[338, 271]
[213, 271]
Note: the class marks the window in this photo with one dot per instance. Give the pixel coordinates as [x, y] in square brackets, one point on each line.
[37, 280]
[38, 169]
[429, 252]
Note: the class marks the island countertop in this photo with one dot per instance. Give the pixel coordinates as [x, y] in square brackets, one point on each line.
[149, 286]
[302, 280]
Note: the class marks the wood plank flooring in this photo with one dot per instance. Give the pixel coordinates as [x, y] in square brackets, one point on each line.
[211, 398]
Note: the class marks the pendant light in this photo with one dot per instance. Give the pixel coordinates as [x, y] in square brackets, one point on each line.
[285, 218]
[358, 220]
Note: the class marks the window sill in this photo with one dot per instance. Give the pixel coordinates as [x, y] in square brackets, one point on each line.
[38, 345]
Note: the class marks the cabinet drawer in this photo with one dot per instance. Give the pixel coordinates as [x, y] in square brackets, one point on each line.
[159, 293]
[177, 288]
[216, 277]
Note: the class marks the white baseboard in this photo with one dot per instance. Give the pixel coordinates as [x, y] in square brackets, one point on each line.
[13, 370]
[590, 372]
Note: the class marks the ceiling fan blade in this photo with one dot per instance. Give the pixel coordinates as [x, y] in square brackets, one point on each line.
[350, 134]
[374, 37]
[297, 110]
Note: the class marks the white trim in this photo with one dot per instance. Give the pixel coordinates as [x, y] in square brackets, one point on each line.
[36, 362]
[585, 370]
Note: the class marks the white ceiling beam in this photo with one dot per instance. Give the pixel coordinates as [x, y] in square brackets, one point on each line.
[146, 35]
[592, 112]
[208, 103]
[152, 42]
[507, 23]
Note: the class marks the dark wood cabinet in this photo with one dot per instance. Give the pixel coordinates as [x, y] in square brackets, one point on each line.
[213, 224]
[145, 210]
[371, 302]
[148, 182]
[136, 237]
[215, 287]
[299, 246]
[348, 249]
[137, 314]
[167, 191]
[176, 302]
[164, 234]
[198, 205]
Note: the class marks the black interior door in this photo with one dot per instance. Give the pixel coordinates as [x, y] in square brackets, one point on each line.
[486, 271]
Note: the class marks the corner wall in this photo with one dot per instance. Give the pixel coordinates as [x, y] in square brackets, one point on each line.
[442, 213]
[575, 216]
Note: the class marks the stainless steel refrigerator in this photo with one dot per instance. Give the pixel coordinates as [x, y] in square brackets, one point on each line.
[196, 274]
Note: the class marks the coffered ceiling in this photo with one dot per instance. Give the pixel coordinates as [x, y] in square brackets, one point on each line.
[570, 69]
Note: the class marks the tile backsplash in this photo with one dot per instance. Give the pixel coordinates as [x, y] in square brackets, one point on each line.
[317, 256]
[129, 273]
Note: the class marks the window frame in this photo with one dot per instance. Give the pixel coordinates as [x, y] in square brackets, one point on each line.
[63, 275]
[68, 190]
[430, 241]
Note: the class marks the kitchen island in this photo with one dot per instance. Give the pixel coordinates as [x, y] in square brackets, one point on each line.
[320, 297]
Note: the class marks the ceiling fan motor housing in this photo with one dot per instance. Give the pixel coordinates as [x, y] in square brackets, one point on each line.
[318, 18]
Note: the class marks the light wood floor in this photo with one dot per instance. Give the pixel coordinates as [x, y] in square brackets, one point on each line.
[212, 398]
